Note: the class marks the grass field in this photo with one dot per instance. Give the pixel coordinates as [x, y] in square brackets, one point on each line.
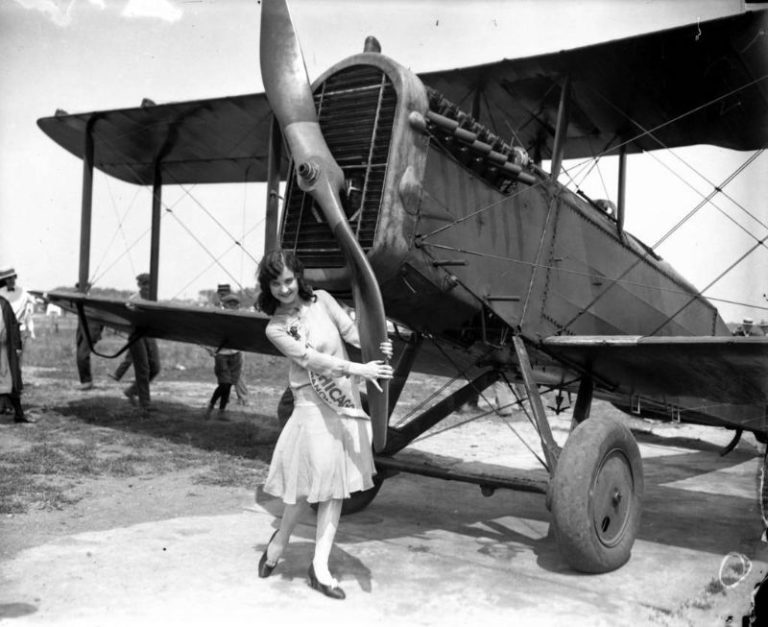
[80, 437]
[86, 436]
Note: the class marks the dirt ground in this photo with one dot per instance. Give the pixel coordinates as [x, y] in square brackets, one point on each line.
[95, 501]
[186, 468]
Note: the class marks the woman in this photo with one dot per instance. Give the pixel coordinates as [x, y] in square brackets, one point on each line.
[10, 351]
[324, 452]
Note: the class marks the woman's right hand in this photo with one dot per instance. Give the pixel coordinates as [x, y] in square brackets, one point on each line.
[374, 370]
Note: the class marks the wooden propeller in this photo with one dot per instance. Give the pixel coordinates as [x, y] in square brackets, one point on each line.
[289, 93]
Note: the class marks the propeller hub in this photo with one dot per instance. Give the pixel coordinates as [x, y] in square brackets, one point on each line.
[309, 171]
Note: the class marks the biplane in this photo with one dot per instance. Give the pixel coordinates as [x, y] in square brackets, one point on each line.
[406, 196]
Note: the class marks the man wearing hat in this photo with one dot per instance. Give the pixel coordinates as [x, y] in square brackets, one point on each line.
[145, 357]
[10, 351]
[241, 390]
[22, 303]
[748, 329]
[228, 364]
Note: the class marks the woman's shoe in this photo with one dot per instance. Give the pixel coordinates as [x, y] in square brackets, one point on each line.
[335, 592]
[265, 570]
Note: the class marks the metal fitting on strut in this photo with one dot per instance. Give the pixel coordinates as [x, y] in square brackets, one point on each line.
[309, 171]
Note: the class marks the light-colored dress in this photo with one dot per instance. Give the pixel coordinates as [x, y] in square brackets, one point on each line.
[320, 454]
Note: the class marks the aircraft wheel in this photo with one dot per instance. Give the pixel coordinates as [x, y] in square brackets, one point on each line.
[596, 496]
[358, 501]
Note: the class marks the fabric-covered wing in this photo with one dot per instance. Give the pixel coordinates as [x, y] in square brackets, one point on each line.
[619, 90]
[221, 140]
[730, 370]
[622, 88]
[197, 325]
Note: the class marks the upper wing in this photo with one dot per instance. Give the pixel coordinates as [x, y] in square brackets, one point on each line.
[619, 89]
[730, 370]
[219, 140]
[622, 88]
[198, 325]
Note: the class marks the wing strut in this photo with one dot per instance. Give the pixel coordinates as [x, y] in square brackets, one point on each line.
[548, 444]
[620, 197]
[154, 248]
[561, 130]
[87, 207]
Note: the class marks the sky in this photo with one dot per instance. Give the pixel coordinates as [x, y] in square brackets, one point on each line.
[86, 55]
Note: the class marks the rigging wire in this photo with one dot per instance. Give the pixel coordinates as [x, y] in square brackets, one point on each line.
[716, 279]
[118, 231]
[213, 263]
[651, 133]
[639, 260]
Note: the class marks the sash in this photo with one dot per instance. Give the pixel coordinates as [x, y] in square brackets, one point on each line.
[336, 392]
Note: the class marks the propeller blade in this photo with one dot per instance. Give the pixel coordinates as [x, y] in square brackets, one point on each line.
[290, 95]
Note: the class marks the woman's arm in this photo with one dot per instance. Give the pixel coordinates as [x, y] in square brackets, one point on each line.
[343, 321]
[321, 363]
[308, 358]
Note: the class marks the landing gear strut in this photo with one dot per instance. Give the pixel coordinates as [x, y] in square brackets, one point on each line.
[596, 481]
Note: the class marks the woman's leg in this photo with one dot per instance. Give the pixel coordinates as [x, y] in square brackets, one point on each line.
[291, 516]
[328, 515]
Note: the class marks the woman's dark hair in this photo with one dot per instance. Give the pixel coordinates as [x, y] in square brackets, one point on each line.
[270, 267]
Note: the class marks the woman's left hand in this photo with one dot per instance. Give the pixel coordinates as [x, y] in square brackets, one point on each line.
[386, 348]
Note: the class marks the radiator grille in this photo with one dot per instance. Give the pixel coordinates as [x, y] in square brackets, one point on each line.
[356, 108]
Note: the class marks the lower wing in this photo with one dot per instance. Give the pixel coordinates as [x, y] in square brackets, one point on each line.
[717, 380]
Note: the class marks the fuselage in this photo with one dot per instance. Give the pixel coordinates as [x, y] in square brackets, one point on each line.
[466, 242]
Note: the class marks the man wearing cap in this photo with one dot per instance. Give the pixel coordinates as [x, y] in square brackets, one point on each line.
[22, 303]
[748, 329]
[145, 357]
[228, 365]
[241, 390]
[10, 351]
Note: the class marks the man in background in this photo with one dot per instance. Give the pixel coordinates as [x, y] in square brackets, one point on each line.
[748, 329]
[241, 390]
[145, 357]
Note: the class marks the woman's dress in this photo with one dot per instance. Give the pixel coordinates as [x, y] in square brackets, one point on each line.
[321, 453]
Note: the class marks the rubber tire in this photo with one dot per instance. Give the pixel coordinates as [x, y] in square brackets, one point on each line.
[358, 501]
[600, 458]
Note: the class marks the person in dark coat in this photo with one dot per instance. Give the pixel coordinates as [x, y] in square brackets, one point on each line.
[228, 365]
[145, 357]
[11, 384]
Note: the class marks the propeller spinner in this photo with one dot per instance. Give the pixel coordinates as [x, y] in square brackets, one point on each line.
[289, 93]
